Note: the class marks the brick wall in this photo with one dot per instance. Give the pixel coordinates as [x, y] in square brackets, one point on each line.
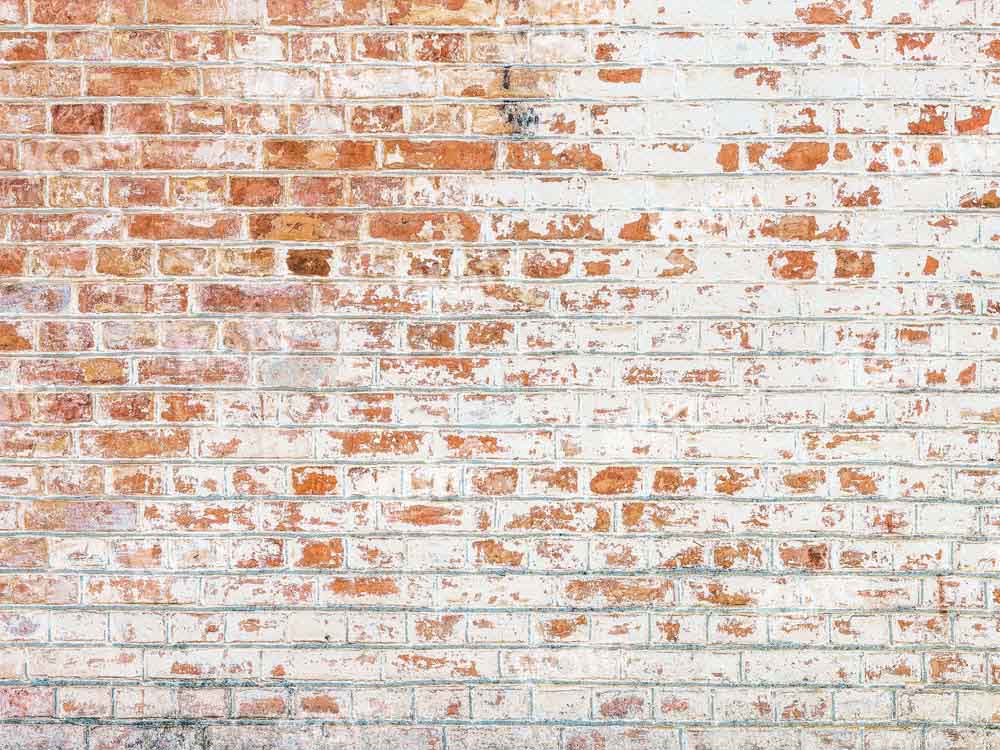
[485, 374]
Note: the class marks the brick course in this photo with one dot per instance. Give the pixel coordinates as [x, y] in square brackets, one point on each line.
[480, 374]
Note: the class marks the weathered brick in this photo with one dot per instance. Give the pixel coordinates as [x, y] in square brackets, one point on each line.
[590, 375]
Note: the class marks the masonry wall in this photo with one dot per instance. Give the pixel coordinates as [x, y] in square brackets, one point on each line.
[484, 374]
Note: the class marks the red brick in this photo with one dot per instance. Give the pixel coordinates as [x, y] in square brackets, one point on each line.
[492, 373]
[78, 119]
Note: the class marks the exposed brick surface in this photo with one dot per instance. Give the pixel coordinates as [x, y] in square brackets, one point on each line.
[481, 374]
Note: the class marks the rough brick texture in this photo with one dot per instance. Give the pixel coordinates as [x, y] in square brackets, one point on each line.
[491, 374]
